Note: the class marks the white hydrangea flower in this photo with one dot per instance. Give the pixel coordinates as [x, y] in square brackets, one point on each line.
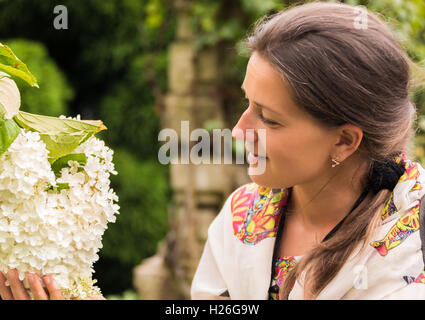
[10, 98]
[51, 232]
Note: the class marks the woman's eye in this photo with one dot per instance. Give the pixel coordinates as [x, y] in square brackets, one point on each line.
[267, 121]
[260, 115]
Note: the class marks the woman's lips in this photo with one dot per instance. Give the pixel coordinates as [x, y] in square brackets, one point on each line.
[252, 158]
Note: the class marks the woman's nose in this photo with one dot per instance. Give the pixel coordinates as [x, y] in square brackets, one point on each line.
[244, 130]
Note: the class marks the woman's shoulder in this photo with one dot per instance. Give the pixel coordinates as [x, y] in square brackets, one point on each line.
[255, 211]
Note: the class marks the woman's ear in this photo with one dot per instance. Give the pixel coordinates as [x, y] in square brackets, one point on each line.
[348, 141]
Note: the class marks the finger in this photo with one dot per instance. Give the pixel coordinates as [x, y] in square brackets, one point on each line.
[18, 290]
[54, 292]
[5, 292]
[36, 287]
[97, 298]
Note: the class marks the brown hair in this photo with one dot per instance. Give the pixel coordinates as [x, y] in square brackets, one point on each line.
[340, 73]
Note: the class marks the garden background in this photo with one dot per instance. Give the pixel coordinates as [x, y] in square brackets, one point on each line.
[113, 63]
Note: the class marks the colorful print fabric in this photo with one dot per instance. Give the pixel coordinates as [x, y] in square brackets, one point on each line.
[281, 267]
[409, 222]
[255, 212]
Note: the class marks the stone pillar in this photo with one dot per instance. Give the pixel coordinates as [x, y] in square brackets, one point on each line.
[199, 191]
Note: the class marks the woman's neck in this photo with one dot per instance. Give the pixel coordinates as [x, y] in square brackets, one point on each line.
[327, 200]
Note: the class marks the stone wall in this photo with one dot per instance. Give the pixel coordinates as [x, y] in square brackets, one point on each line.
[199, 191]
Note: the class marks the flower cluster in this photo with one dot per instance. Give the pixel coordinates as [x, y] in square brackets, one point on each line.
[51, 230]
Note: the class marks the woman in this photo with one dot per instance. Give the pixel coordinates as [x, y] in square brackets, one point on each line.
[335, 214]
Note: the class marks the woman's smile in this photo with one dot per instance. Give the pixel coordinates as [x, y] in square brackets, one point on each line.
[253, 158]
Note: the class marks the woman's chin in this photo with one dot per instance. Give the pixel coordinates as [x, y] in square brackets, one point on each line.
[257, 174]
[264, 179]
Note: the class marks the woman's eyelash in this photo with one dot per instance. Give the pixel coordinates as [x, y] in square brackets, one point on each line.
[260, 115]
[266, 121]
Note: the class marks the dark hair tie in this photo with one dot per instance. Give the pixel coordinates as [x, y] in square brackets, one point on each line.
[384, 175]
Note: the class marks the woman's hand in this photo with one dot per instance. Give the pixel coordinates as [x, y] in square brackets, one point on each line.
[17, 291]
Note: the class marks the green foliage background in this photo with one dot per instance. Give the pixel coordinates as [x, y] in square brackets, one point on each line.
[56, 92]
[111, 64]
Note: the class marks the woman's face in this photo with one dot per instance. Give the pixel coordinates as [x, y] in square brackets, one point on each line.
[297, 148]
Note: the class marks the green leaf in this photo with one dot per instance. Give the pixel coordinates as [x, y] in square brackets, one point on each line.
[15, 67]
[59, 187]
[61, 145]
[61, 136]
[9, 130]
[3, 111]
[62, 162]
[54, 125]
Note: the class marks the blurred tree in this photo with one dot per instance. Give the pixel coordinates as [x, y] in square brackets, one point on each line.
[143, 220]
[133, 118]
[131, 239]
[105, 43]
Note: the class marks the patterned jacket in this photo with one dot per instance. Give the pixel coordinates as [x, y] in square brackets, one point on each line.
[237, 257]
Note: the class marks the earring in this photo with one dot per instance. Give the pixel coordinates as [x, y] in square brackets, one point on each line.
[335, 162]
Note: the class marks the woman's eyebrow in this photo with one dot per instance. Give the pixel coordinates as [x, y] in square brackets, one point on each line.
[262, 106]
